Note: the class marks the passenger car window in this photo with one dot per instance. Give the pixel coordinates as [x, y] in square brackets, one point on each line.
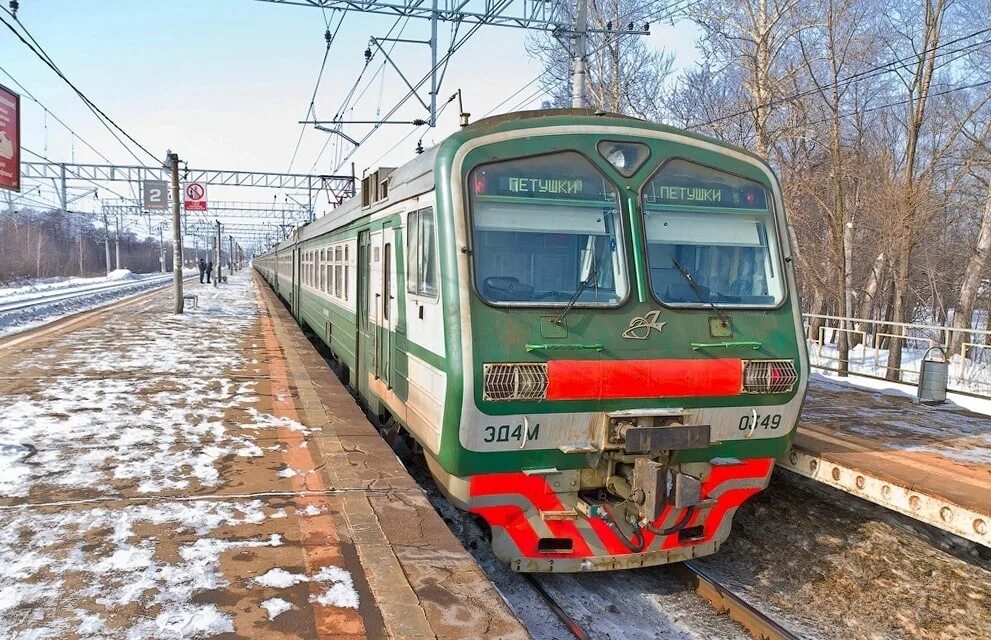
[421, 253]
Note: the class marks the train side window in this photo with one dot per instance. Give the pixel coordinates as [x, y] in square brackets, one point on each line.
[421, 253]
[329, 271]
[386, 280]
[427, 280]
[346, 269]
[337, 272]
[411, 251]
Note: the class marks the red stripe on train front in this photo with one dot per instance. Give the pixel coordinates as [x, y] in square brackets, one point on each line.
[535, 489]
[616, 379]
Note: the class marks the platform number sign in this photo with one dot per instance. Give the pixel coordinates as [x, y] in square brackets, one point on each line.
[195, 197]
[156, 194]
[10, 140]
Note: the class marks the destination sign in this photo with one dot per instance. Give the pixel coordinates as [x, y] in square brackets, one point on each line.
[706, 195]
[541, 186]
[554, 186]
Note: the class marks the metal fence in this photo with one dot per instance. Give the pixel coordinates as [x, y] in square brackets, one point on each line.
[970, 364]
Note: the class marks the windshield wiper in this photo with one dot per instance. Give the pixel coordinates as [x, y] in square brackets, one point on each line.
[698, 289]
[593, 276]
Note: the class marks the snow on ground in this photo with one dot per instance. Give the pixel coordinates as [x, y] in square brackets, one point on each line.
[338, 585]
[889, 416]
[27, 318]
[111, 450]
[275, 606]
[66, 555]
[968, 375]
[12, 292]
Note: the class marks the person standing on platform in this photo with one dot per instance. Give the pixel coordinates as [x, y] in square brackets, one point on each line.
[209, 270]
[202, 269]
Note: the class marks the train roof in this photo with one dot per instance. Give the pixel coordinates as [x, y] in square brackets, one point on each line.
[417, 175]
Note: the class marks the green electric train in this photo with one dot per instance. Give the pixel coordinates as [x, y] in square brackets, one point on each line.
[589, 323]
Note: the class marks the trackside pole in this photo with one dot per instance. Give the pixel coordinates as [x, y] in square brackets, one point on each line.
[581, 63]
[172, 161]
[220, 246]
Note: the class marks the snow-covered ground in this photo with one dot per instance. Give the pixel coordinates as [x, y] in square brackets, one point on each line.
[72, 295]
[135, 478]
[27, 287]
[965, 374]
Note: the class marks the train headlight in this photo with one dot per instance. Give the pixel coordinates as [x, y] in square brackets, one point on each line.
[514, 381]
[769, 376]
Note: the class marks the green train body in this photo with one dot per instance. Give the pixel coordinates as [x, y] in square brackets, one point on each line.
[589, 323]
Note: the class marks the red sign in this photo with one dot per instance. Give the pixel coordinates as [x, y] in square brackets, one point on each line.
[195, 197]
[10, 140]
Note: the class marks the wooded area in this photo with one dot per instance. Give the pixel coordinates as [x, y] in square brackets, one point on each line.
[876, 116]
[41, 244]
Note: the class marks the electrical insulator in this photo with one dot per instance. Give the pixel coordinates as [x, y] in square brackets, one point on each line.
[419, 147]
[609, 26]
[419, 122]
[327, 36]
[14, 5]
[368, 55]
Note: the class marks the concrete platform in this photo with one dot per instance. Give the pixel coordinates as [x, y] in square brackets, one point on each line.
[206, 475]
[932, 463]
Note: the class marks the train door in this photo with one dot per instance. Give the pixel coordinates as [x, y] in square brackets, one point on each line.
[297, 277]
[387, 306]
[362, 352]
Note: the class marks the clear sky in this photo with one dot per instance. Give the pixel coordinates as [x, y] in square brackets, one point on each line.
[224, 82]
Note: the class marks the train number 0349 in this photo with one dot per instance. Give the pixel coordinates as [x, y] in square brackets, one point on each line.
[769, 422]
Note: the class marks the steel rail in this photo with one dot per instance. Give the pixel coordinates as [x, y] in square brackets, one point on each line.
[59, 295]
[567, 620]
[757, 623]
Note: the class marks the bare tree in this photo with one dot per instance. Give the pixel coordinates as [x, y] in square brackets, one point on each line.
[755, 35]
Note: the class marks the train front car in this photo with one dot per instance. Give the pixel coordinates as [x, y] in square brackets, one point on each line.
[625, 353]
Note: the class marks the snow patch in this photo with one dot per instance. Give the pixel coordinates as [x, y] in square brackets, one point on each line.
[340, 593]
[280, 578]
[276, 606]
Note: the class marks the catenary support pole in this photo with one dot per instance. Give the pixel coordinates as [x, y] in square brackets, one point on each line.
[63, 192]
[173, 163]
[433, 65]
[161, 247]
[106, 240]
[216, 281]
[117, 241]
[230, 253]
[581, 62]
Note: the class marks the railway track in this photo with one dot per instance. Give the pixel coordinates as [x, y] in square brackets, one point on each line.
[758, 624]
[60, 295]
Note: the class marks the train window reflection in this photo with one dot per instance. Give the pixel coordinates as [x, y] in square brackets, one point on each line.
[546, 230]
[710, 238]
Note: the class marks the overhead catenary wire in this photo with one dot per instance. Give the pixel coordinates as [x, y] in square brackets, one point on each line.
[106, 120]
[348, 97]
[311, 110]
[31, 96]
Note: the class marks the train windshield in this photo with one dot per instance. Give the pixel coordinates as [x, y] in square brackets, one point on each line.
[710, 238]
[546, 231]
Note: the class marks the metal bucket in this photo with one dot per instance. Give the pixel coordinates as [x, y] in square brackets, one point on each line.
[933, 378]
